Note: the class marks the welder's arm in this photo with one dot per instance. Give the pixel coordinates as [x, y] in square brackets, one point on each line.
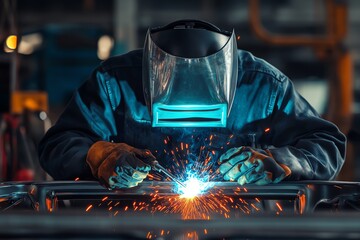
[313, 148]
[303, 146]
[88, 118]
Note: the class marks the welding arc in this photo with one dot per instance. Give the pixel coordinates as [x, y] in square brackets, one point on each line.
[157, 167]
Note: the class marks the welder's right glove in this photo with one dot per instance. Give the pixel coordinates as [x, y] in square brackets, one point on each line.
[118, 165]
[248, 165]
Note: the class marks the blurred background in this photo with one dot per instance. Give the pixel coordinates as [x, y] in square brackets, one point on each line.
[49, 48]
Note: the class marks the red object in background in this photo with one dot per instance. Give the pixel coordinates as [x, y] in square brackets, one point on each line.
[24, 175]
[3, 163]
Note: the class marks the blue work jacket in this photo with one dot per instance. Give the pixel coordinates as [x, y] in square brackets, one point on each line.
[267, 113]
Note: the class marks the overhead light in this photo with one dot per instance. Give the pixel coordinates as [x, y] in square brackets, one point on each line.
[105, 44]
[11, 42]
[29, 43]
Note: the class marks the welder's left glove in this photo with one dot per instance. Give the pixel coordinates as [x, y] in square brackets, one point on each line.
[119, 165]
[247, 165]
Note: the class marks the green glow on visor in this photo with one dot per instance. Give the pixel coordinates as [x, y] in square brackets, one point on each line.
[189, 115]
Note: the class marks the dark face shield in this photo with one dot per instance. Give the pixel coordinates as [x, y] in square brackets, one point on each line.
[190, 91]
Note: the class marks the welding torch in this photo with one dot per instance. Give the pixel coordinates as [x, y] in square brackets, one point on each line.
[157, 167]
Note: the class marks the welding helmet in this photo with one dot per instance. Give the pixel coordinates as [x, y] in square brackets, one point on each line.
[189, 74]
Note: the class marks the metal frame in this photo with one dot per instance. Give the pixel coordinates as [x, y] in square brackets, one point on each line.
[44, 196]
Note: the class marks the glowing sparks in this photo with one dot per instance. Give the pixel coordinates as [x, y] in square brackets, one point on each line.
[199, 199]
[89, 207]
[205, 206]
[254, 207]
[105, 198]
[211, 204]
[192, 235]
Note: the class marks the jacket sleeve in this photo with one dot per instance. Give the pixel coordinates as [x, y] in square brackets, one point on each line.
[89, 117]
[312, 147]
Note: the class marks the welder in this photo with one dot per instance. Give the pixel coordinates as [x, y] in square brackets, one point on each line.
[190, 79]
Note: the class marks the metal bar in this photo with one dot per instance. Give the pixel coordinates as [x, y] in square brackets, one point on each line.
[160, 168]
[97, 226]
[329, 39]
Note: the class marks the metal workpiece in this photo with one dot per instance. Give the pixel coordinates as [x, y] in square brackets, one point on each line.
[101, 226]
[12, 194]
[83, 209]
[297, 197]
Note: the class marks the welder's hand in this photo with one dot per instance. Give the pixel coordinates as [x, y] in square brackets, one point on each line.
[247, 165]
[118, 165]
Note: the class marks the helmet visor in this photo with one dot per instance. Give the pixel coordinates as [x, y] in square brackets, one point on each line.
[189, 92]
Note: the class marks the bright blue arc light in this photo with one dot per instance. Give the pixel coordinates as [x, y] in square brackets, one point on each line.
[193, 187]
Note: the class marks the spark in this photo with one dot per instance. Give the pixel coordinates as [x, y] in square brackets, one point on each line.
[104, 198]
[254, 207]
[191, 235]
[89, 207]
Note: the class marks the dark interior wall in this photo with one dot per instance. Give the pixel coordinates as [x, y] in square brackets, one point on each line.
[71, 30]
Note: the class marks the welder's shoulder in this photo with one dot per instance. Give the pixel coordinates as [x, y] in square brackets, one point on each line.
[130, 60]
[248, 63]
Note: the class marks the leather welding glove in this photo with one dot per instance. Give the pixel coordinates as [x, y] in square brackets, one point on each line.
[118, 165]
[247, 165]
